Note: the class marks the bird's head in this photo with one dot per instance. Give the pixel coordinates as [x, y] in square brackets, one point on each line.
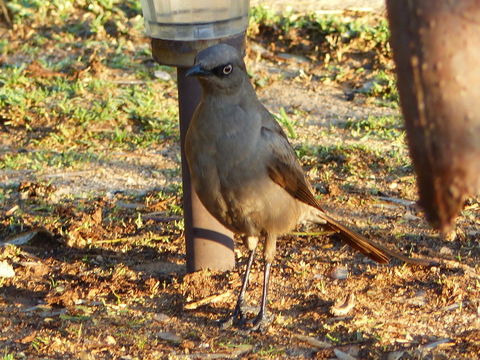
[219, 68]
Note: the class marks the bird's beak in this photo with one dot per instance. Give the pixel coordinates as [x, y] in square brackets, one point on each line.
[197, 70]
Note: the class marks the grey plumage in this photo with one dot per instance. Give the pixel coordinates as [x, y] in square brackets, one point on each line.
[243, 168]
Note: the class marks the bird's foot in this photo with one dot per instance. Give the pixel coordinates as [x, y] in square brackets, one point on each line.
[261, 322]
[238, 317]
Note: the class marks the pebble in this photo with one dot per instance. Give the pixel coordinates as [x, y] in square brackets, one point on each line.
[393, 186]
[110, 340]
[292, 57]
[162, 75]
[343, 306]
[410, 217]
[445, 251]
[318, 276]
[169, 336]
[395, 355]
[343, 355]
[340, 273]
[420, 299]
[6, 270]
[21, 239]
[161, 317]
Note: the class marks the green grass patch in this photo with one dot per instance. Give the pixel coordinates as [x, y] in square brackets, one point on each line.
[360, 160]
[39, 160]
[350, 49]
[333, 31]
[381, 127]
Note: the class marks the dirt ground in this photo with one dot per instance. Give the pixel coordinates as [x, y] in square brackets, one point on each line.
[92, 256]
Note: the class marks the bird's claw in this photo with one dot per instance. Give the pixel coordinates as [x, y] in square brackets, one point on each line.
[237, 321]
[261, 323]
[237, 318]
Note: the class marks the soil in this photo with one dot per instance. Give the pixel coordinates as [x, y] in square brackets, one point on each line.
[107, 279]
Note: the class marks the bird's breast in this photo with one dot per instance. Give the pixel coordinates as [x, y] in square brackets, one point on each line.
[227, 159]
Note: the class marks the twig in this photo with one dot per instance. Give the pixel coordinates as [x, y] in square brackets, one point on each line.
[133, 238]
[343, 355]
[312, 233]
[208, 300]
[403, 202]
[313, 341]
[157, 218]
[432, 345]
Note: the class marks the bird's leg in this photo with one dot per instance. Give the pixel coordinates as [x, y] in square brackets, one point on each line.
[261, 320]
[238, 315]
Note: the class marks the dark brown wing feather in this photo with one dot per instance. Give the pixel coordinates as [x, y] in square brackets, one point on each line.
[285, 170]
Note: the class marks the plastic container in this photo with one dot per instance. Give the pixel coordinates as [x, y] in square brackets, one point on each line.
[187, 20]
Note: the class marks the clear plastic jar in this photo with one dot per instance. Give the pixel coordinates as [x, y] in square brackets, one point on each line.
[187, 20]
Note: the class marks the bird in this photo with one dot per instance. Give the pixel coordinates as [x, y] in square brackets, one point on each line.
[246, 173]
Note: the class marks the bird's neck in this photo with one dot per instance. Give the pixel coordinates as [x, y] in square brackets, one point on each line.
[228, 95]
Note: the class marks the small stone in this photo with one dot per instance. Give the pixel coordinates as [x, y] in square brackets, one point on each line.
[344, 306]
[393, 186]
[6, 270]
[445, 251]
[395, 355]
[110, 340]
[162, 75]
[169, 336]
[53, 313]
[161, 317]
[339, 273]
[343, 355]
[22, 238]
[410, 217]
[300, 353]
[293, 57]
[420, 299]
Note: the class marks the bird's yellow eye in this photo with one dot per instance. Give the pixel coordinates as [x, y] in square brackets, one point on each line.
[227, 69]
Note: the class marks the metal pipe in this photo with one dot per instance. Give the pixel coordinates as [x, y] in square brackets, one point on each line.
[208, 243]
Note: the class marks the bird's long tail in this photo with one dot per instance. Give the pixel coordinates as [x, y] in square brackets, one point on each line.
[374, 251]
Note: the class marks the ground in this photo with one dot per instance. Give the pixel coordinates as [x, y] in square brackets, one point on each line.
[92, 258]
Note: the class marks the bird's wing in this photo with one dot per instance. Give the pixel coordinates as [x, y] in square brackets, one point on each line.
[283, 166]
[285, 170]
